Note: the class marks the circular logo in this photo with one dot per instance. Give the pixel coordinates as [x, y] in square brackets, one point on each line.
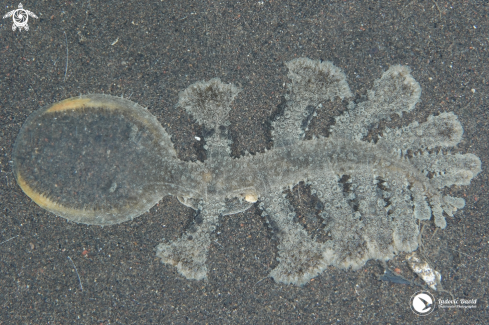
[422, 303]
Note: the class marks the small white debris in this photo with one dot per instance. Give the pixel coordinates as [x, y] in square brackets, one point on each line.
[473, 90]
[431, 277]
[251, 197]
[115, 42]
[197, 138]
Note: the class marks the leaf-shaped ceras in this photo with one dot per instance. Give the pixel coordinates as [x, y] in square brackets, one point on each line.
[99, 159]
[373, 194]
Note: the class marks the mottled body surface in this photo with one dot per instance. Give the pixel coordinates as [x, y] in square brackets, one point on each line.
[373, 194]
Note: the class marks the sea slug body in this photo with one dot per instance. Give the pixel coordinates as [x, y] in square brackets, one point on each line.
[373, 194]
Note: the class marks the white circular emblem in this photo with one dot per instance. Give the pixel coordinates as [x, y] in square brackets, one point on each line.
[20, 17]
[422, 303]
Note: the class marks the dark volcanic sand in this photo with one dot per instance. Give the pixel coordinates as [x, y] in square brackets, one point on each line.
[152, 50]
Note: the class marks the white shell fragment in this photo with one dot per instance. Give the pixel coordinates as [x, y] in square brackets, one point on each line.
[431, 277]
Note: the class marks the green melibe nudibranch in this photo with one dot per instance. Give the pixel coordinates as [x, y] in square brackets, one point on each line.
[103, 160]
